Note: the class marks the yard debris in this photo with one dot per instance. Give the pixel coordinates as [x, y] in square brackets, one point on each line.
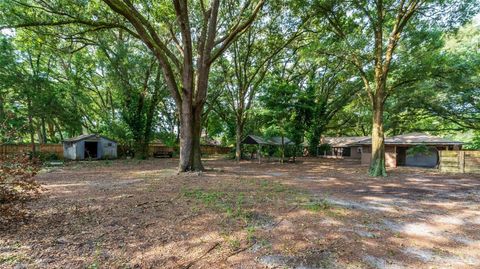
[121, 216]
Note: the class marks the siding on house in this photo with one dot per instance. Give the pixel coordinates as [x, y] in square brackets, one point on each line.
[390, 156]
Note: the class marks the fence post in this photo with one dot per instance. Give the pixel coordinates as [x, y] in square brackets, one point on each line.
[462, 161]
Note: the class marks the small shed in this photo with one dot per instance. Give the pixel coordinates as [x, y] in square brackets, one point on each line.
[89, 146]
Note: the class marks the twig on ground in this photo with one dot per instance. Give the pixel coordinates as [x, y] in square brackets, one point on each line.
[240, 250]
[192, 262]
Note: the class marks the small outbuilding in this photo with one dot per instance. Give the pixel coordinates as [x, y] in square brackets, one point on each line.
[89, 146]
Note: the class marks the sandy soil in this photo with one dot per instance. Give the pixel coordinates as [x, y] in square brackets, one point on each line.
[311, 214]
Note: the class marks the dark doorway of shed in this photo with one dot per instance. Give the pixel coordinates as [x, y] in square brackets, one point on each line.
[91, 149]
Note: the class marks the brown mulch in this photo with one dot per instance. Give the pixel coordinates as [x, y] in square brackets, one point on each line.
[315, 213]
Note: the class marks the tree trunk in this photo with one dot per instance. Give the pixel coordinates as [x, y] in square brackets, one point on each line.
[377, 164]
[197, 134]
[315, 140]
[44, 131]
[2, 108]
[186, 136]
[141, 149]
[30, 125]
[238, 140]
[57, 128]
[283, 150]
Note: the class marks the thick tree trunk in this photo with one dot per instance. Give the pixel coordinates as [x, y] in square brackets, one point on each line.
[238, 140]
[141, 149]
[186, 136]
[377, 164]
[315, 140]
[197, 134]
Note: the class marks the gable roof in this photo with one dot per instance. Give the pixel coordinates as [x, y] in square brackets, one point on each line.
[413, 139]
[342, 141]
[86, 136]
[257, 140]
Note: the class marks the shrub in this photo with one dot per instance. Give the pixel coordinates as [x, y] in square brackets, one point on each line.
[46, 156]
[17, 185]
[418, 150]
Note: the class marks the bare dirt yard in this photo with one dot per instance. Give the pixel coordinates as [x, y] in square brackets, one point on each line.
[311, 214]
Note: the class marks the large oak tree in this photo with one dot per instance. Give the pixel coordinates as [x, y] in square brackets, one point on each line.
[367, 33]
[185, 37]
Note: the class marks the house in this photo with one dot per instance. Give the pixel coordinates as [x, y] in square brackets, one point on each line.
[341, 147]
[89, 146]
[397, 149]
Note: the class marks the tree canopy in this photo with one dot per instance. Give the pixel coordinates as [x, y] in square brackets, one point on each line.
[189, 72]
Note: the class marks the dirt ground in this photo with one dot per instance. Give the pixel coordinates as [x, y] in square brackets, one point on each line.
[315, 213]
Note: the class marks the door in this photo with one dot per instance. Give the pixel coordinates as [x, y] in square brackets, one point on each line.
[91, 150]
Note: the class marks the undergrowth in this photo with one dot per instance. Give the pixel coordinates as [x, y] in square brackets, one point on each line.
[17, 185]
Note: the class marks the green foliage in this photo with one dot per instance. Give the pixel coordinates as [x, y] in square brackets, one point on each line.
[317, 206]
[418, 150]
[291, 74]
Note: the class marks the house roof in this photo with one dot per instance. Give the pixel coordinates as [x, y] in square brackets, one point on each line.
[86, 136]
[413, 139]
[342, 141]
[257, 140]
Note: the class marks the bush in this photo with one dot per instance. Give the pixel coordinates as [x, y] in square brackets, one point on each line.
[46, 156]
[17, 185]
[418, 150]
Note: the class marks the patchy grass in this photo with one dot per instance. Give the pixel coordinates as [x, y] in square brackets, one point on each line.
[318, 205]
[142, 214]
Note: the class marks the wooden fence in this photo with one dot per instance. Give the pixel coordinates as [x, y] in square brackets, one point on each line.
[212, 149]
[460, 161]
[6, 149]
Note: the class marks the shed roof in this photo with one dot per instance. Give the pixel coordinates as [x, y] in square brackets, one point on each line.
[86, 136]
[413, 139]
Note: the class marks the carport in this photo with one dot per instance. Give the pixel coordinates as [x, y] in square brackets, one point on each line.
[259, 141]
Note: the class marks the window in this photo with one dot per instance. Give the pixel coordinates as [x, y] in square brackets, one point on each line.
[359, 150]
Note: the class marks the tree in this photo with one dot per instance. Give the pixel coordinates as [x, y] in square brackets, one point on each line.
[247, 62]
[368, 34]
[185, 49]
